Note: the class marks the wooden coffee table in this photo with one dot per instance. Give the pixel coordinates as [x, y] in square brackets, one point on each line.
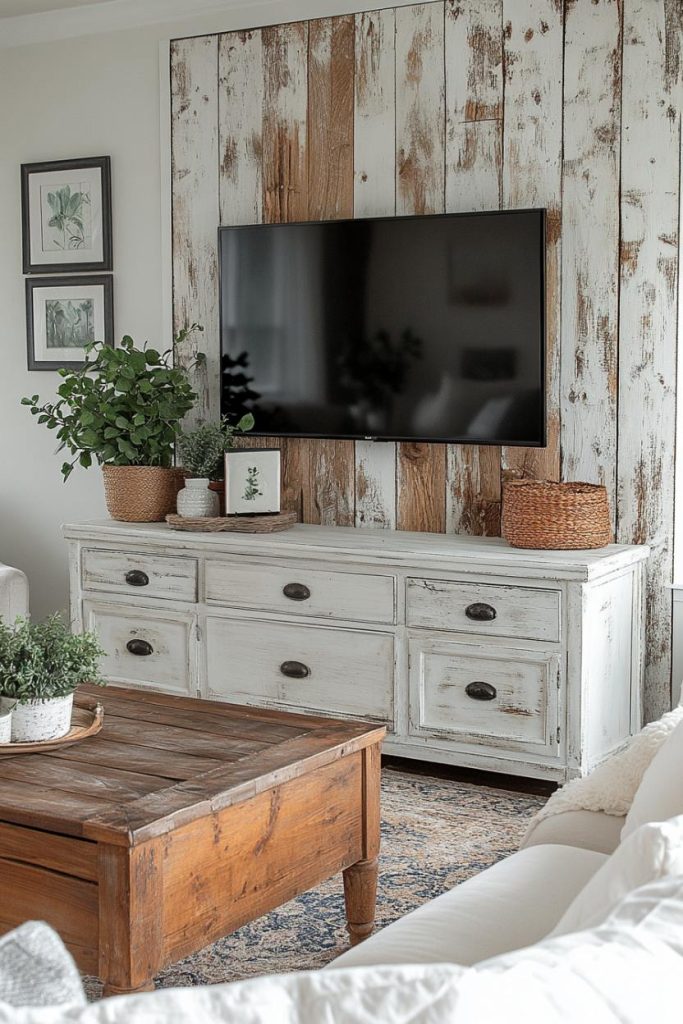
[182, 820]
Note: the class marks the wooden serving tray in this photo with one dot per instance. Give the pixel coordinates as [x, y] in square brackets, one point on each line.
[86, 720]
[234, 524]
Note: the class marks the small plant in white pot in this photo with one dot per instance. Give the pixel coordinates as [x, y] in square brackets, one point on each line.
[201, 453]
[41, 664]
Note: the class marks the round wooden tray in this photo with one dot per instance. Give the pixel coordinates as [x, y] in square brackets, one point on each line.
[86, 720]
[234, 524]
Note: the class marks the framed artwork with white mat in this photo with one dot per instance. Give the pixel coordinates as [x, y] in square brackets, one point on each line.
[63, 315]
[252, 481]
[66, 215]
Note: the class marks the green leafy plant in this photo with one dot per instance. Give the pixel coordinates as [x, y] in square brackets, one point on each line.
[68, 212]
[122, 408]
[201, 451]
[251, 490]
[43, 660]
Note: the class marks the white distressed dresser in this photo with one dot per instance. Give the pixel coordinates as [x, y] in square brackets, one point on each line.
[472, 652]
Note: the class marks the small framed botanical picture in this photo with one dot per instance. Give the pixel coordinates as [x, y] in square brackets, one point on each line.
[252, 481]
[63, 314]
[66, 215]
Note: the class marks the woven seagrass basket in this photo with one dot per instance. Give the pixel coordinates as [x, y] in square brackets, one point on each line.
[141, 494]
[541, 514]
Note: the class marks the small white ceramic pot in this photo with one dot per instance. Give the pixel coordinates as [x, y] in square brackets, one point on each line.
[5, 724]
[35, 720]
[196, 500]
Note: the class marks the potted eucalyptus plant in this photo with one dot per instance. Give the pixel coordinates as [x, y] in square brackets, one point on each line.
[122, 410]
[41, 664]
[201, 453]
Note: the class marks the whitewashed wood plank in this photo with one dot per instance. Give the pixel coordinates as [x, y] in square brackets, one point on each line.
[420, 174]
[240, 112]
[374, 115]
[194, 171]
[375, 196]
[532, 177]
[285, 106]
[474, 163]
[590, 243]
[650, 174]
[420, 109]
[376, 484]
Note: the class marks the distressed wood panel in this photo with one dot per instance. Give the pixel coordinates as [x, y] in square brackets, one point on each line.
[330, 496]
[420, 174]
[375, 196]
[590, 246]
[240, 114]
[474, 166]
[285, 187]
[194, 185]
[532, 177]
[650, 152]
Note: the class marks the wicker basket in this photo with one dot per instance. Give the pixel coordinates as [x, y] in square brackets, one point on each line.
[540, 514]
[141, 494]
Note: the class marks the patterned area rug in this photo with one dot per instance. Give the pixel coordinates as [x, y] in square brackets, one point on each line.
[435, 833]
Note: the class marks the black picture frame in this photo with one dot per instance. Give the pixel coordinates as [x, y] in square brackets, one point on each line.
[106, 263]
[106, 281]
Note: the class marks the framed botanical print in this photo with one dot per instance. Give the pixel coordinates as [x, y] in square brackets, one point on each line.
[252, 481]
[63, 314]
[66, 215]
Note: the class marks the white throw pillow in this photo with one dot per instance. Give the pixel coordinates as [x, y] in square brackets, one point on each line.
[612, 786]
[653, 851]
[660, 795]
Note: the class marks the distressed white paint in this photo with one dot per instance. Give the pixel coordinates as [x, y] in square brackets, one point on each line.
[231, 641]
[650, 148]
[374, 195]
[240, 114]
[590, 243]
[349, 672]
[532, 177]
[523, 714]
[331, 595]
[194, 173]
[173, 578]
[170, 666]
[518, 611]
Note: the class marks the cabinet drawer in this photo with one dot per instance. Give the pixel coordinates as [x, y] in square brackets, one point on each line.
[312, 668]
[120, 572]
[496, 610]
[143, 647]
[504, 697]
[357, 597]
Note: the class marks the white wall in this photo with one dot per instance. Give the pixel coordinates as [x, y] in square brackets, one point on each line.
[88, 96]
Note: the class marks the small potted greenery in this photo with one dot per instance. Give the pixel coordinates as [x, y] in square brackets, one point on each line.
[41, 664]
[201, 453]
[122, 409]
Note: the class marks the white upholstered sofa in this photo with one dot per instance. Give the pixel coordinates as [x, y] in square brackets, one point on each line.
[13, 593]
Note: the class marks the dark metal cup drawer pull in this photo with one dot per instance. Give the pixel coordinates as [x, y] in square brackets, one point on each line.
[296, 591]
[137, 578]
[480, 691]
[480, 612]
[295, 669]
[139, 647]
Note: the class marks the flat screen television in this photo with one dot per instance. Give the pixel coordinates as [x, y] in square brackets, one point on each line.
[423, 328]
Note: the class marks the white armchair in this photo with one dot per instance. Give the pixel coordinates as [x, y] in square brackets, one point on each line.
[13, 593]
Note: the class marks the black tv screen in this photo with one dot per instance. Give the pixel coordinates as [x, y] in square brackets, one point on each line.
[405, 328]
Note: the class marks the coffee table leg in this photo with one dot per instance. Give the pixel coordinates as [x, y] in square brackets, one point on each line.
[360, 896]
[130, 917]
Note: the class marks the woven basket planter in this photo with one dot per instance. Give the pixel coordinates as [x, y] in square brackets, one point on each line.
[540, 514]
[141, 494]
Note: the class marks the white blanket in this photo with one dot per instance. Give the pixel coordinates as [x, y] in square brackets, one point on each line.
[627, 971]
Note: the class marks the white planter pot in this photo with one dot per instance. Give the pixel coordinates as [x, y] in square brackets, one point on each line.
[35, 720]
[5, 725]
[196, 500]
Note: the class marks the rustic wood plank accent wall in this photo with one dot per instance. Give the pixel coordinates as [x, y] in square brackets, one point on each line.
[572, 106]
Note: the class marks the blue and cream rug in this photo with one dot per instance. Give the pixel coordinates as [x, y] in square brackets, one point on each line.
[435, 833]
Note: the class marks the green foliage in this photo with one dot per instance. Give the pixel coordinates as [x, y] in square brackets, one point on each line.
[42, 660]
[251, 490]
[122, 408]
[68, 210]
[201, 451]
